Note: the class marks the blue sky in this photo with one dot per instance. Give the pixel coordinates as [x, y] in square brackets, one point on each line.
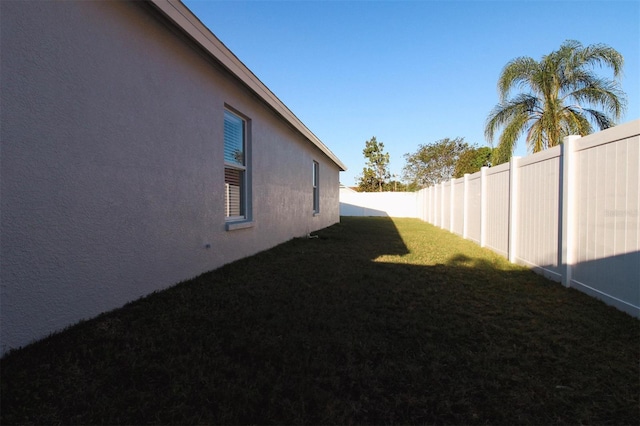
[408, 72]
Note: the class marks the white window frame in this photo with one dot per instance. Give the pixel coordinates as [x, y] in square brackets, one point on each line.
[316, 187]
[244, 219]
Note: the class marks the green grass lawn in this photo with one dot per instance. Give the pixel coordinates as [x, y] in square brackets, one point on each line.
[377, 321]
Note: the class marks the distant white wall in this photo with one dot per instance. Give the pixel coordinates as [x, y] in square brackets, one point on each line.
[393, 204]
[112, 173]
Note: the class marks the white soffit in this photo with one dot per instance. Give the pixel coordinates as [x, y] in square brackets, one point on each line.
[192, 26]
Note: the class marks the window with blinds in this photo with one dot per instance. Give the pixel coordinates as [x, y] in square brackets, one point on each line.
[235, 168]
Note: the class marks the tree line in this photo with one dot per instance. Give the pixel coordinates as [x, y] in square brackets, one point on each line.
[430, 164]
[544, 101]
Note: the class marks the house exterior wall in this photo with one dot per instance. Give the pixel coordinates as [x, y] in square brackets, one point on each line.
[112, 173]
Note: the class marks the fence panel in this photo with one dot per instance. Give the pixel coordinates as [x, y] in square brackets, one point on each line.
[537, 212]
[497, 214]
[457, 214]
[437, 205]
[421, 204]
[445, 206]
[474, 207]
[607, 224]
[429, 206]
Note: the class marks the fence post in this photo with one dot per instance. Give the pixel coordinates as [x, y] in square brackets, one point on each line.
[483, 206]
[566, 205]
[513, 208]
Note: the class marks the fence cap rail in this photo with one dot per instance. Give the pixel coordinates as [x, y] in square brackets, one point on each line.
[504, 167]
[541, 156]
[613, 134]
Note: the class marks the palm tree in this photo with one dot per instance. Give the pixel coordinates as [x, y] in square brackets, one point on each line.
[561, 89]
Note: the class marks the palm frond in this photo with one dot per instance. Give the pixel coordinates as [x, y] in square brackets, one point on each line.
[561, 94]
[512, 132]
[536, 139]
[575, 123]
[603, 56]
[601, 120]
[503, 114]
[605, 93]
[517, 74]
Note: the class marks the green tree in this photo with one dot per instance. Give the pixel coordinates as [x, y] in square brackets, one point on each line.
[433, 163]
[395, 185]
[376, 173]
[561, 95]
[472, 160]
[367, 182]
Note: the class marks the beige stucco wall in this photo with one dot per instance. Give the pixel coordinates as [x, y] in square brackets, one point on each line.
[111, 164]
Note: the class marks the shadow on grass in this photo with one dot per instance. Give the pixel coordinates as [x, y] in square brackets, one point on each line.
[316, 331]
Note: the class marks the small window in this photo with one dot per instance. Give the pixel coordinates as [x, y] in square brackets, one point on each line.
[316, 187]
[235, 166]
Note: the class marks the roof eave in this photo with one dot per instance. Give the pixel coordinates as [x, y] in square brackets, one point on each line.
[185, 20]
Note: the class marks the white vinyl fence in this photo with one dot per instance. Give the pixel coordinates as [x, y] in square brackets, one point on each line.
[571, 213]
